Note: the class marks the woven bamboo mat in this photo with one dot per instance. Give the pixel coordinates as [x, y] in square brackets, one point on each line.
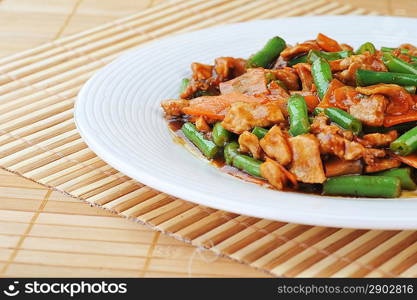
[38, 140]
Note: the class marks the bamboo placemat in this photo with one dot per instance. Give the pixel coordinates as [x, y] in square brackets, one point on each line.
[39, 141]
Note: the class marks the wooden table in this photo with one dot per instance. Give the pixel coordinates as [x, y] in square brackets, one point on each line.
[35, 239]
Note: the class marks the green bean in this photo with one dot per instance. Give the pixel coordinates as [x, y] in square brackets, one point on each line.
[344, 119]
[403, 174]
[406, 143]
[300, 59]
[403, 51]
[397, 65]
[367, 186]
[220, 135]
[322, 75]
[247, 164]
[367, 77]
[388, 49]
[367, 47]
[403, 127]
[410, 88]
[318, 110]
[315, 54]
[267, 54]
[298, 112]
[259, 132]
[207, 147]
[230, 151]
[184, 84]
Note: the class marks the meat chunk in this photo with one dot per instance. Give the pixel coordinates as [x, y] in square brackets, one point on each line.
[328, 136]
[252, 82]
[381, 164]
[353, 150]
[277, 92]
[275, 145]
[304, 73]
[338, 167]
[370, 155]
[346, 47]
[400, 100]
[299, 49]
[340, 96]
[201, 71]
[288, 76]
[379, 139]
[174, 107]
[331, 143]
[327, 44]
[334, 140]
[370, 110]
[245, 116]
[346, 68]
[201, 125]
[249, 143]
[216, 107]
[206, 78]
[229, 67]
[274, 173]
[306, 164]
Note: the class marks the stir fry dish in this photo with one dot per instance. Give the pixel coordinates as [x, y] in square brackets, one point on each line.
[316, 117]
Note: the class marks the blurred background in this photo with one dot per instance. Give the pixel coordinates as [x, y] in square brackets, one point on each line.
[28, 23]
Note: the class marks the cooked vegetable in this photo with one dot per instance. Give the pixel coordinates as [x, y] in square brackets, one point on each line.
[367, 47]
[406, 143]
[410, 160]
[367, 77]
[388, 49]
[220, 135]
[207, 147]
[319, 110]
[343, 119]
[184, 84]
[322, 75]
[297, 109]
[403, 174]
[267, 54]
[327, 43]
[366, 186]
[397, 65]
[259, 132]
[301, 59]
[402, 127]
[230, 151]
[247, 164]
[295, 116]
[315, 54]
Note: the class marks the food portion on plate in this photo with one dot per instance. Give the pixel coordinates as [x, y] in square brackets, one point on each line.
[316, 117]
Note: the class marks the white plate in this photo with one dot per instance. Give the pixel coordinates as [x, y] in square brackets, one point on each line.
[118, 114]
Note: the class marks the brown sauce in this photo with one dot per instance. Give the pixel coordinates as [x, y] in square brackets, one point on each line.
[179, 138]
[316, 189]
